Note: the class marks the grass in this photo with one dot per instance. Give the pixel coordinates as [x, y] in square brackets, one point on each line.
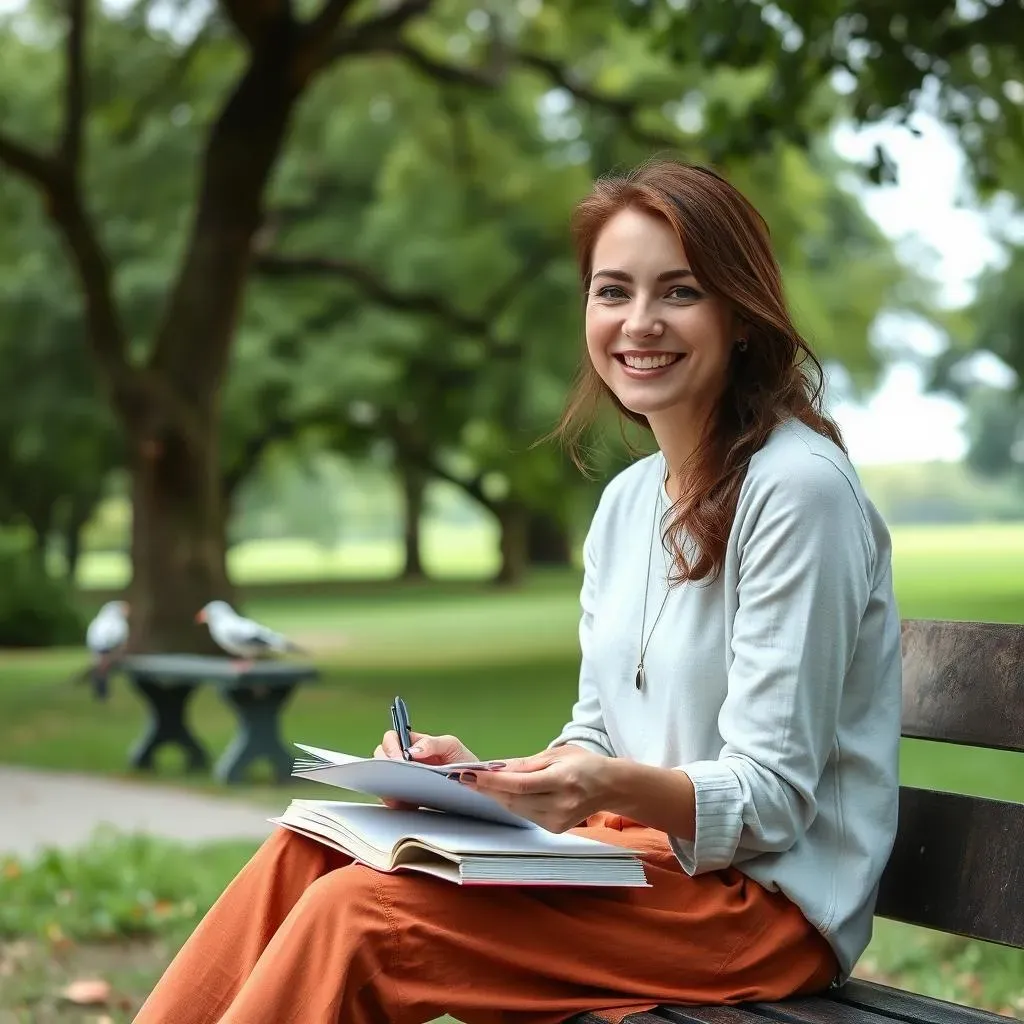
[498, 669]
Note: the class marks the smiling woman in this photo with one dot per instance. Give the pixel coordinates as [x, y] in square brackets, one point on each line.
[748, 748]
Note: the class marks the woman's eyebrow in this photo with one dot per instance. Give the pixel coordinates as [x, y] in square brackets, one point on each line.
[668, 275]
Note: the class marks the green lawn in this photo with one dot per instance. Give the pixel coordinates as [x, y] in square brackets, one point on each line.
[499, 669]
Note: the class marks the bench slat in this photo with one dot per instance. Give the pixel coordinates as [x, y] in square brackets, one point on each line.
[963, 682]
[957, 865]
[745, 1014]
[633, 1018]
[819, 1010]
[909, 1007]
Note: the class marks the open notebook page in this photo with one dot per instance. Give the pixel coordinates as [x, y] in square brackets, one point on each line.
[384, 827]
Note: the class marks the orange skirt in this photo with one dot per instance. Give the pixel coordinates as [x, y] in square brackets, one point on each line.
[304, 936]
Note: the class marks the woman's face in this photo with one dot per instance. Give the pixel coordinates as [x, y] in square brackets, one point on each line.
[657, 339]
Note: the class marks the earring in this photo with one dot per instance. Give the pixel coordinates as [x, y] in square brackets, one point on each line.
[741, 344]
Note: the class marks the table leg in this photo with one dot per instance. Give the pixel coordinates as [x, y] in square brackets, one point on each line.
[259, 715]
[166, 724]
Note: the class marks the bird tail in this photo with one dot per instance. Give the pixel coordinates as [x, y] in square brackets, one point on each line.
[293, 648]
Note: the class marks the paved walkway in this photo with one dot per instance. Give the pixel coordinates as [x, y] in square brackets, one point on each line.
[41, 809]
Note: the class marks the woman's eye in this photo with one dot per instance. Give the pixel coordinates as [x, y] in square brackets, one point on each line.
[610, 291]
[684, 294]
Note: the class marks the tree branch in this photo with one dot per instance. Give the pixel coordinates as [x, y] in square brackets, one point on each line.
[65, 209]
[378, 289]
[624, 108]
[278, 428]
[74, 88]
[446, 74]
[329, 18]
[146, 103]
[252, 18]
[386, 26]
[317, 41]
[36, 167]
[474, 487]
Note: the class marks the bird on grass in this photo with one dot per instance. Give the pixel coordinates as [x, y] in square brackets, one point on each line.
[105, 637]
[243, 638]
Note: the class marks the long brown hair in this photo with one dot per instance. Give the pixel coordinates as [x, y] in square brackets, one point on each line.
[729, 249]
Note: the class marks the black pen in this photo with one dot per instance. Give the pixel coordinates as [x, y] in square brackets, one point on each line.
[400, 720]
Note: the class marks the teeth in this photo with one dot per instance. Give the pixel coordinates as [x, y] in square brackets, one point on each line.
[649, 362]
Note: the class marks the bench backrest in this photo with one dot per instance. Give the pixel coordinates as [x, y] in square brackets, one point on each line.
[958, 861]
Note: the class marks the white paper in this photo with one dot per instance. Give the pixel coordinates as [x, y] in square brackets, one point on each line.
[384, 827]
[409, 782]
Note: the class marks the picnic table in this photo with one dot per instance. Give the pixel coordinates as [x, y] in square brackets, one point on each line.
[256, 693]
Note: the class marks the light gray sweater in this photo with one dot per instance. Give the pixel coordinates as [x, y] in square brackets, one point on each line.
[776, 688]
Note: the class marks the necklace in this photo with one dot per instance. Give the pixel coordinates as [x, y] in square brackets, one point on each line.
[641, 675]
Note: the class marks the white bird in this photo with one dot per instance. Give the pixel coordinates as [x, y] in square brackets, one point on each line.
[242, 637]
[106, 636]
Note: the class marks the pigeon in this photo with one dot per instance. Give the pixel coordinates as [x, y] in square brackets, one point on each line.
[245, 639]
[106, 636]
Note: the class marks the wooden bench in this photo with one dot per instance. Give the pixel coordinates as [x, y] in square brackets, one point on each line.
[958, 862]
[256, 694]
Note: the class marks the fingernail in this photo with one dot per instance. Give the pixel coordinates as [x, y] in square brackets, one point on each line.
[469, 777]
[415, 749]
[496, 764]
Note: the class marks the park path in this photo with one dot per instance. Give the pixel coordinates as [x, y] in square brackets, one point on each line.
[40, 809]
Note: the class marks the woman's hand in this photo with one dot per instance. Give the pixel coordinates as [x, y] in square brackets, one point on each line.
[557, 788]
[428, 749]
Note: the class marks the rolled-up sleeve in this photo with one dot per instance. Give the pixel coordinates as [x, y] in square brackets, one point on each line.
[586, 726]
[804, 581]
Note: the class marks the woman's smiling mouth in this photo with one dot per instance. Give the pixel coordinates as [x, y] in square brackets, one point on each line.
[648, 364]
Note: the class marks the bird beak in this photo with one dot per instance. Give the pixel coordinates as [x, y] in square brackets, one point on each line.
[200, 616]
[126, 608]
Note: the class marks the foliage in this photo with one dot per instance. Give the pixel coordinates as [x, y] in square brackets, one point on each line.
[420, 161]
[116, 886]
[36, 610]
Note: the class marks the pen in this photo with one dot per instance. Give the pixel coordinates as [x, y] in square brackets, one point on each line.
[400, 720]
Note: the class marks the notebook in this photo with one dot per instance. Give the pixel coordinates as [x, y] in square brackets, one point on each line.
[462, 850]
[412, 782]
[454, 832]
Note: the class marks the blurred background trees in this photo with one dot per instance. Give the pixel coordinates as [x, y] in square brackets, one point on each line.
[302, 269]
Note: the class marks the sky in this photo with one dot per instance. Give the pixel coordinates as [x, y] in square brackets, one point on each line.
[900, 423]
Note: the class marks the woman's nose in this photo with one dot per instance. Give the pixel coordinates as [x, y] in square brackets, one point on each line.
[642, 323]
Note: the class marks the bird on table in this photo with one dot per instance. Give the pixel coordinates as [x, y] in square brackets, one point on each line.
[105, 637]
[243, 638]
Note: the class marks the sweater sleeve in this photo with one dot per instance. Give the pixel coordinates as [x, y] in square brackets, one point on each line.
[804, 579]
[586, 726]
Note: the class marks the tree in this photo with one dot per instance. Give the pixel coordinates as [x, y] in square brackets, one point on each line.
[692, 71]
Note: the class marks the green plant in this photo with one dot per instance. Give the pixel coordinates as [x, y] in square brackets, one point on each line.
[115, 887]
[36, 609]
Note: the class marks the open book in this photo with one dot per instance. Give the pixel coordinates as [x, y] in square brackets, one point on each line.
[462, 850]
[456, 833]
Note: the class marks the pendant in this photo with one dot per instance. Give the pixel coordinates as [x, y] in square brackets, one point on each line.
[640, 677]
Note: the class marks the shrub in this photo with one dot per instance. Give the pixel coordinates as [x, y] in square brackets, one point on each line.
[36, 610]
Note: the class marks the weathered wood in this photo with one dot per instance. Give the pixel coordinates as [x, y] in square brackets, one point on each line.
[957, 865]
[633, 1018]
[817, 1011]
[963, 682]
[910, 1008]
[746, 1014]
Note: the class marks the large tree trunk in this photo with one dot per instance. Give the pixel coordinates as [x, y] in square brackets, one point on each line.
[513, 517]
[178, 541]
[548, 541]
[414, 485]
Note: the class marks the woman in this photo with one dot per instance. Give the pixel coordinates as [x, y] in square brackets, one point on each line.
[739, 695]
